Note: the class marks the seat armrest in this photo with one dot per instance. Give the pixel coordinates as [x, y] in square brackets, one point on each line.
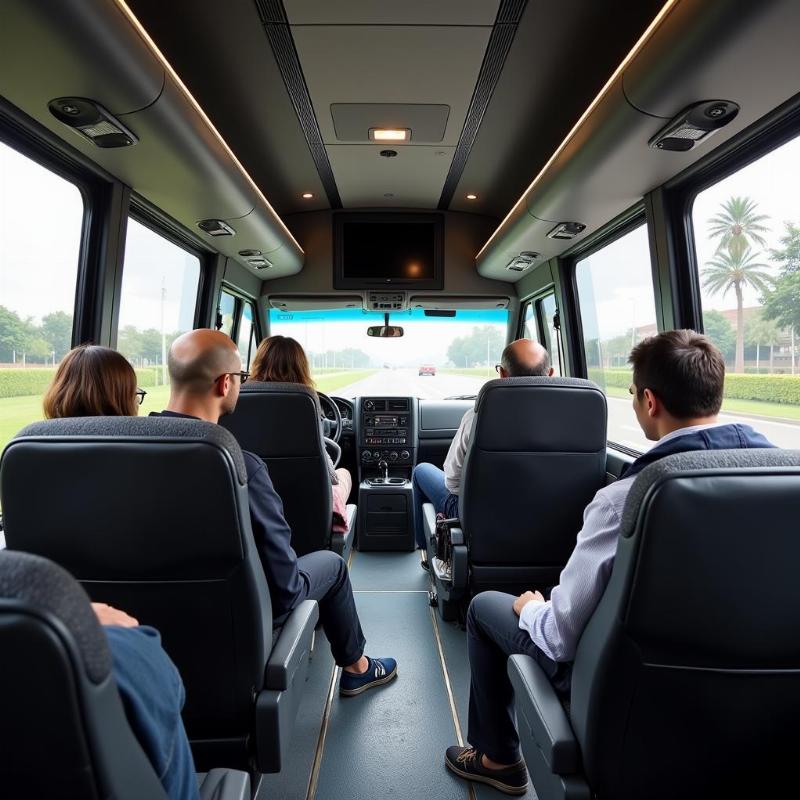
[341, 543]
[351, 510]
[429, 520]
[225, 784]
[541, 715]
[292, 646]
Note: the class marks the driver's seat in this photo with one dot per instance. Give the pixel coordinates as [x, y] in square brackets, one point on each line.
[280, 423]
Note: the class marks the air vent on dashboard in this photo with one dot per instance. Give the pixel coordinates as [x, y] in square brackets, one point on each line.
[374, 405]
[398, 404]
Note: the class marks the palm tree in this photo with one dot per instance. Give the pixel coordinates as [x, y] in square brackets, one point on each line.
[733, 270]
[738, 226]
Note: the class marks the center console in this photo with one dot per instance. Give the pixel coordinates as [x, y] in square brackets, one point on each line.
[386, 437]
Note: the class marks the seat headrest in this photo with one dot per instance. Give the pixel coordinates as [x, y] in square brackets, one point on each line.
[40, 583]
[504, 383]
[714, 461]
[279, 387]
[142, 428]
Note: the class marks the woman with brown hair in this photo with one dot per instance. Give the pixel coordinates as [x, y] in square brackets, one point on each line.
[282, 359]
[93, 381]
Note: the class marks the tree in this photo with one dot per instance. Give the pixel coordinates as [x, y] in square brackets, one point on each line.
[789, 254]
[762, 331]
[14, 334]
[466, 351]
[129, 342]
[736, 270]
[57, 332]
[738, 227]
[720, 331]
[782, 302]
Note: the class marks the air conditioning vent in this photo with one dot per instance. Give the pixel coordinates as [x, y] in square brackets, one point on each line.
[373, 405]
[399, 404]
[523, 261]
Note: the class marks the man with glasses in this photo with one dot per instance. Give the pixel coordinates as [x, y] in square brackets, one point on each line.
[521, 358]
[205, 371]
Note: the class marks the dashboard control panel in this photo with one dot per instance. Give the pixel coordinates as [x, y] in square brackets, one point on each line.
[386, 430]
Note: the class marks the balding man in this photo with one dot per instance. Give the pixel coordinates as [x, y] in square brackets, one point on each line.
[521, 358]
[206, 373]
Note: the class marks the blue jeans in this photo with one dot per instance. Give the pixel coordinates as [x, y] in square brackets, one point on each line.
[428, 484]
[493, 634]
[152, 694]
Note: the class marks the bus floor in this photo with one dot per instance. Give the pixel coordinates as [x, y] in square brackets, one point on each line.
[388, 742]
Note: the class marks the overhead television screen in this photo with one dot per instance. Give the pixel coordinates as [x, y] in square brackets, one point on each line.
[388, 250]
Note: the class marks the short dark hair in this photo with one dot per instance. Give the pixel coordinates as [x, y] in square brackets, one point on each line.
[683, 369]
[517, 368]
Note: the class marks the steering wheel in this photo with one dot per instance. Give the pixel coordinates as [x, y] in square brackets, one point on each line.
[334, 451]
[331, 429]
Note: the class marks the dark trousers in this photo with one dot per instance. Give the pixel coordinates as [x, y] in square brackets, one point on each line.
[493, 634]
[327, 581]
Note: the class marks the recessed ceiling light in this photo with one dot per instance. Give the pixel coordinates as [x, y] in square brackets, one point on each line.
[307, 195]
[472, 197]
[390, 134]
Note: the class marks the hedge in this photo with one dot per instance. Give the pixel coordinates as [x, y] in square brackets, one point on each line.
[766, 388]
[26, 381]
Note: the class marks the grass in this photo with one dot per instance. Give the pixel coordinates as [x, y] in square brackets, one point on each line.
[328, 383]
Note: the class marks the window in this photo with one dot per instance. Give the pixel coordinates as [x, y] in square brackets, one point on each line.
[246, 340]
[615, 295]
[747, 241]
[159, 294]
[226, 312]
[530, 326]
[40, 240]
[437, 357]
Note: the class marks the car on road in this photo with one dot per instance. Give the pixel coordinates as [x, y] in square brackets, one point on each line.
[427, 369]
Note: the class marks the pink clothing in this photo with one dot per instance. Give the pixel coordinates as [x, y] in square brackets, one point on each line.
[341, 491]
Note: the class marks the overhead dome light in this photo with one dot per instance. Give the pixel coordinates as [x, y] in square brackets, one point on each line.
[390, 134]
[472, 197]
[694, 125]
[93, 121]
[216, 227]
[307, 195]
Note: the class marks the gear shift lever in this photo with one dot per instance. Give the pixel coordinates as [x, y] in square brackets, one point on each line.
[383, 465]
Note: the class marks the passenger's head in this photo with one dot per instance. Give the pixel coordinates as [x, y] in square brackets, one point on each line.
[205, 372]
[525, 358]
[678, 379]
[92, 381]
[281, 359]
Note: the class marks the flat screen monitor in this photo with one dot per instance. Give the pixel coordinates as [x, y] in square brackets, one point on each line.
[402, 250]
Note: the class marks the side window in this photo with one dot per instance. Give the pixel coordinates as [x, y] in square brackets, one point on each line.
[549, 312]
[247, 334]
[747, 240]
[530, 328]
[159, 295]
[615, 295]
[42, 216]
[226, 311]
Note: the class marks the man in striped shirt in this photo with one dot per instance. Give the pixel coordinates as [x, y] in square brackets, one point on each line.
[678, 379]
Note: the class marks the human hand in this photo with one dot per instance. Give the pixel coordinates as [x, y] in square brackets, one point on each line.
[108, 615]
[526, 598]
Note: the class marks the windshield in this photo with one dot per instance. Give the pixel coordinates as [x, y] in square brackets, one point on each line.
[436, 358]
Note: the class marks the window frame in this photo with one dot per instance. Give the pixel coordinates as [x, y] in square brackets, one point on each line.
[535, 302]
[241, 299]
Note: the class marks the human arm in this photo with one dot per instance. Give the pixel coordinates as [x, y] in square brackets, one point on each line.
[454, 462]
[108, 615]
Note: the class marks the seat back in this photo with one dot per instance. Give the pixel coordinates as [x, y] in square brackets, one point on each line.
[63, 732]
[535, 459]
[151, 515]
[686, 681]
[280, 423]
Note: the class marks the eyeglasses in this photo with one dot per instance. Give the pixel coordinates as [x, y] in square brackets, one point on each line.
[243, 376]
[140, 395]
[632, 389]
[497, 368]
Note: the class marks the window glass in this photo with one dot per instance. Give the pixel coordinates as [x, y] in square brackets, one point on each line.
[246, 336]
[530, 329]
[159, 295]
[40, 235]
[226, 311]
[549, 311]
[615, 294]
[747, 240]
[437, 357]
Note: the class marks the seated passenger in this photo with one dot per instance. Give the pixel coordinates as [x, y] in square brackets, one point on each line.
[153, 695]
[93, 381]
[522, 358]
[678, 379]
[205, 374]
[281, 359]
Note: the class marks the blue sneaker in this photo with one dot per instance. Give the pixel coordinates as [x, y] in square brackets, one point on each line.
[379, 671]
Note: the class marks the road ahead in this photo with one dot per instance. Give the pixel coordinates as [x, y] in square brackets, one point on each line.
[622, 424]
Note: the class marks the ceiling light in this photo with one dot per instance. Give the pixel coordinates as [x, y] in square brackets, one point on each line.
[307, 195]
[472, 197]
[390, 134]
[93, 121]
[694, 124]
[216, 227]
[566, 230]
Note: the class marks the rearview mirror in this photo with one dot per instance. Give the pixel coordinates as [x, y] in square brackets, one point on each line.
[385, 331]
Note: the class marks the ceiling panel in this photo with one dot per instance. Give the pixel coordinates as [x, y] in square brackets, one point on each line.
[384, 64]
[408, 12]
[414, 177]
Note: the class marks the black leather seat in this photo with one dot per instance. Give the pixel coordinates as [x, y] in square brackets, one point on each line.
[63, 731]
[535, 459]
[151, 516]
[686, 681]
[280, 423]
